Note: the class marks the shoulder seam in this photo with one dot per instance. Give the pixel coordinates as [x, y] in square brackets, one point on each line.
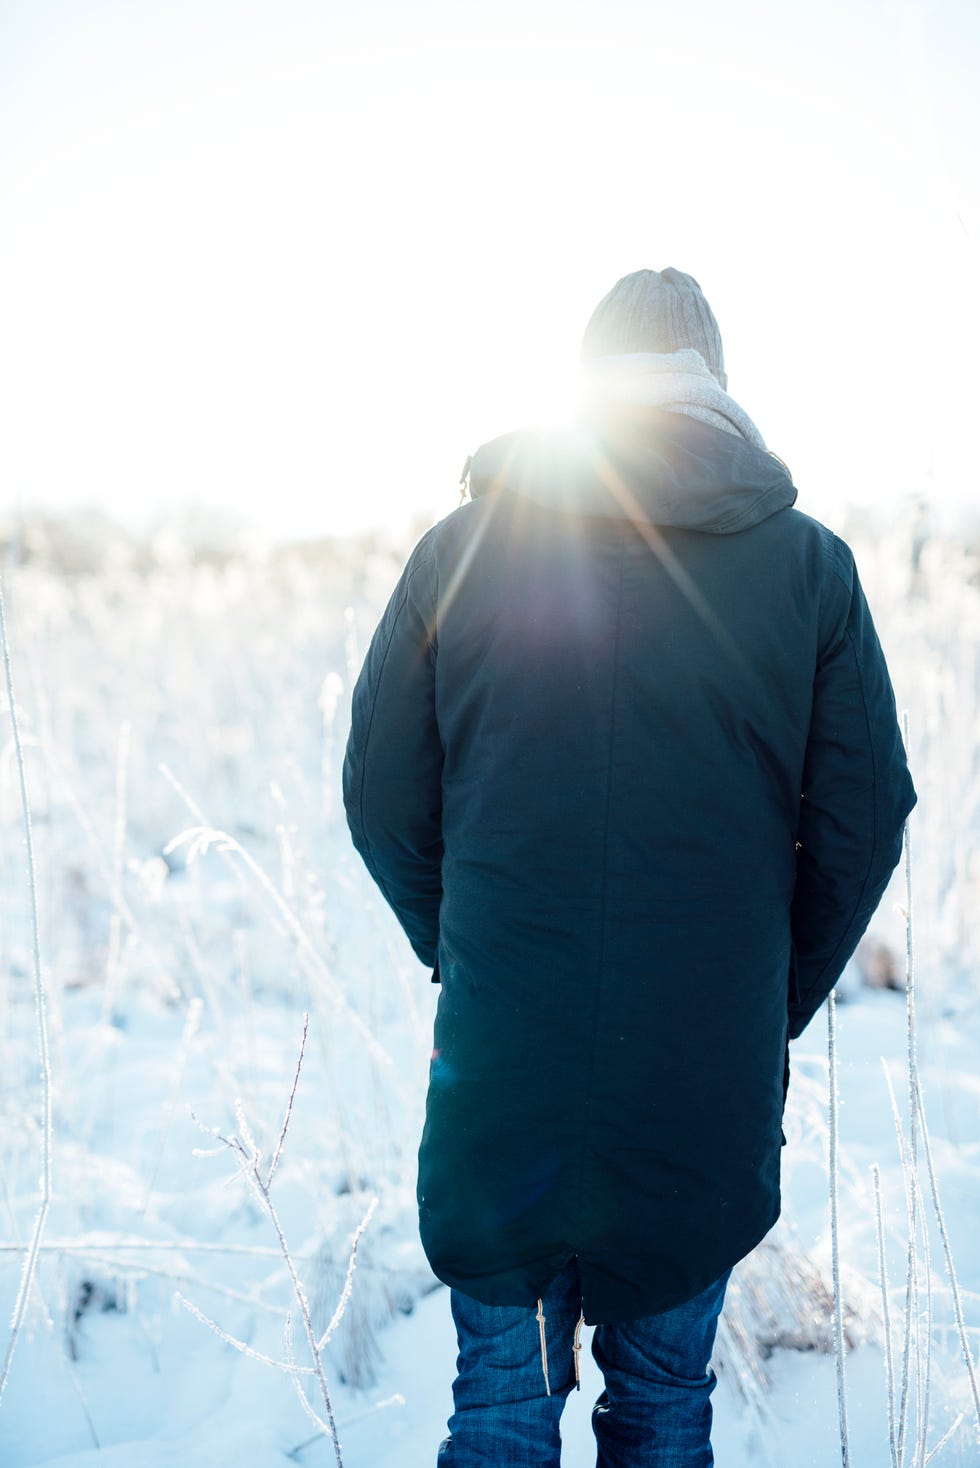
[838, 554]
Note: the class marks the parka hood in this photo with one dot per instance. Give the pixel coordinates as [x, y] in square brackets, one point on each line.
[639, 463]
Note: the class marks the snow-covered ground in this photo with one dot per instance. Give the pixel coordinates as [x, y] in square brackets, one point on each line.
[183, 722]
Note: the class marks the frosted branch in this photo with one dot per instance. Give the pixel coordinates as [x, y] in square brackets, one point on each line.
[349, 1280]
[834, 1168]
[40, 1219]
[231, 1340]
[289, 1105]
[886, 1316]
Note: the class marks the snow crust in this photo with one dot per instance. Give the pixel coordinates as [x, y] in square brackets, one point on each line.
[205, 699]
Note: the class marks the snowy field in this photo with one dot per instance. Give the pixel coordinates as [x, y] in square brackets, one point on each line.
[182, 717]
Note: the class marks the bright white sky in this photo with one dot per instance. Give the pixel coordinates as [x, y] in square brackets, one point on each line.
[299, 257]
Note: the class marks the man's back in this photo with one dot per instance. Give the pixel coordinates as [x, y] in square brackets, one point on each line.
[625, 631]
[625, 762]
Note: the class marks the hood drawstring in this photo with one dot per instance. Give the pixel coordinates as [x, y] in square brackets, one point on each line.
[544, 1347]
[576, 1349]
[464, 480]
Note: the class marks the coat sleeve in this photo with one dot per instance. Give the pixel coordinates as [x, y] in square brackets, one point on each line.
[857, 793]
[393, 766]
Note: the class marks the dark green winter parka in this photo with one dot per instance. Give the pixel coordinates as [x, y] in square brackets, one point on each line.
[625, 762]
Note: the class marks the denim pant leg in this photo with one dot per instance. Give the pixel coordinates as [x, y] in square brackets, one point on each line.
[504, 1417]
[656, 1408]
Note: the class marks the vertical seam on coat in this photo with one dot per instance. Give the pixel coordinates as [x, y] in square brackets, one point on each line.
[848, 636]
[369, 861]
[604, 874]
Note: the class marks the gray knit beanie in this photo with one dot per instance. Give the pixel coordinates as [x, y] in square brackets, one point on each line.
[655, 311]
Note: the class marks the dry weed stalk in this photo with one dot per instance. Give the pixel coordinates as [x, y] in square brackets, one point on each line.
[198, 839]
[37, 1232]
[123, 911]
[114, 1242]
[114, 953]
[914, 1190]
[951, 1271]
[395, 1400]
[886, 1317]
[917, 1120]
[260, 1183]
[916, 1367]
[834, 1168]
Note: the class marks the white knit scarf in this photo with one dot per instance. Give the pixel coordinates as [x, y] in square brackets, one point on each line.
[679, 382]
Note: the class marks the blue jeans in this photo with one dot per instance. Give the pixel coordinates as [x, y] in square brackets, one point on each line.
[655, 1411]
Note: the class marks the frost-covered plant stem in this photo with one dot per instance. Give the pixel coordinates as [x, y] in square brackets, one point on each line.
[260, 1187]
[911, 1274]
[911, 1357]
[34, 1248]
[198, 839]
[886, 1317]
[926, 1329]
[250, 1161]
[112, 966]
[118, 1242]
[396, 1400]
[950, 1269]
[834, 1169]
[916, 1207]
[104, 868]
[921, 1375]
[345, 1293]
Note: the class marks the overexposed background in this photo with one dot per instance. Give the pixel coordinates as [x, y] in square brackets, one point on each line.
[293, 261]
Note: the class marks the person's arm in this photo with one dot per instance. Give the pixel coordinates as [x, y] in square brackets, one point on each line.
[393, 765]
[857, 793]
